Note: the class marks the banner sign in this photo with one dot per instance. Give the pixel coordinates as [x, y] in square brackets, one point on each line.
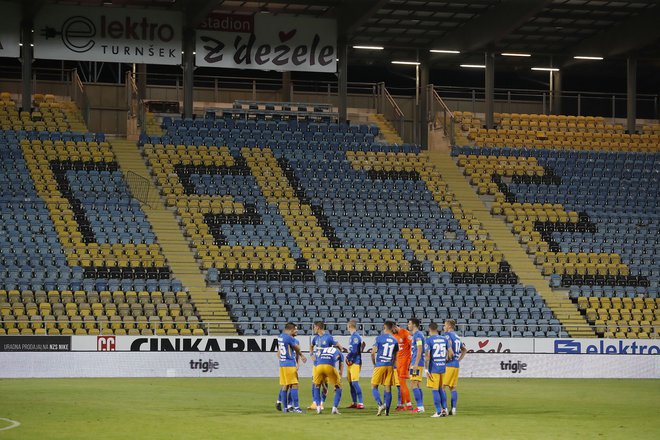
[10, 21]
[231, 364]
[116, 35]
[255, 344]
[267, 42]
[35, 343]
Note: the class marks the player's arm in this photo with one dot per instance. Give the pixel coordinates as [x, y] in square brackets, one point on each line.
[394, 354]
[450, 353]
[299, 354]
[463, 352]
[420, 349]
[341, 366]
[374, 349]
[427, 362]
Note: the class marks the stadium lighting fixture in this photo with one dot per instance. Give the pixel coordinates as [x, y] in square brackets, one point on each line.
[473, 66]
[513, 54]
[546, 69]
[582, 57]
[407, 63]
[444, 51]
[369, 47]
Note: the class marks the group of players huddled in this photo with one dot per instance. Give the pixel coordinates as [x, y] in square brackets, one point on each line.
[398, 354]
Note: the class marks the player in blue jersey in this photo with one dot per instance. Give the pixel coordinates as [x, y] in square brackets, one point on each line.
[437, 353]
[325, 371]
[354, 364]
[417, 365]
[450, 379]
[289, 351]
[383, 356]
[289, 401]
[321, 339]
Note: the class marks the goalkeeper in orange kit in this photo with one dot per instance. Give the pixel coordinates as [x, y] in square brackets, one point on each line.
[403, 359]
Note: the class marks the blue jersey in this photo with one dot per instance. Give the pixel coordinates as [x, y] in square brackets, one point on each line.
[455, 344]
[386, 347]
[296, 342]
[285, 344]
[322, 341]
[355, 349]
[437, 347]
[418, 342]
[329, 356]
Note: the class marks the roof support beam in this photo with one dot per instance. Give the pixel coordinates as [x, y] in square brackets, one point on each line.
[354, 13]
[491, 26]
[635, 33]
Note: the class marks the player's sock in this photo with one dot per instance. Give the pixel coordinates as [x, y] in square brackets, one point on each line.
[454, 399]
[437, 401]
[419, 398]
[405, 393]
[358, 391]
[398, 389]
[443, 398]
[376, 395]
[279, 396]
[289, 402]
[294, 397]
[283, 398]
[316, 395]
[388, 400]
[324, 394]
[337, 398]
[353, 393]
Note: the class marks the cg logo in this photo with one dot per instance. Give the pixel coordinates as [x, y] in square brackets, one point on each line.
[77, 33]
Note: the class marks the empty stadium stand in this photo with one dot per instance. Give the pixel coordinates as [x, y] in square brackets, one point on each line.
[297, 220]
[583, 204]
[78, 255]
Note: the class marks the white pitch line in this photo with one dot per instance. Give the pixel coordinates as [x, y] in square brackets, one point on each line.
[13, 424]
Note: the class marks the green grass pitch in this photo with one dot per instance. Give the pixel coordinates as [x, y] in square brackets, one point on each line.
[245, 409]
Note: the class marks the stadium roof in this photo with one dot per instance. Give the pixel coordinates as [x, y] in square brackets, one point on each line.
[547, 29]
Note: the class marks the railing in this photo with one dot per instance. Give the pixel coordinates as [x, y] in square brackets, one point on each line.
[387, 106]
[273, 328]
[134, 102]
[439, 114]
[141, 188]
[79, 95]
[578, 103]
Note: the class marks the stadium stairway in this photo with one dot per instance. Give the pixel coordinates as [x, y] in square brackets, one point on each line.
[182, 263]
[386, 128]
[565, 310]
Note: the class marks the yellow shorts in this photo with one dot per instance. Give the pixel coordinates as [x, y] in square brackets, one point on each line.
[288, 376]
[383, 376]
[450, 378]
[353, 372]
[324, 373]
[416, 375]
[434, 380]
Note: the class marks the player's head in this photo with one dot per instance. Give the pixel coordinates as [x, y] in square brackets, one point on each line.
[351, 325]
[319, 327]
[413, 324]
[290, 328]
[396, 328]
[450, 325]
[388, 327]
[433, 328]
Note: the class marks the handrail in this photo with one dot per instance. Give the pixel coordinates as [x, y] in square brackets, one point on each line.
[443, 117]
[387, 106]
[134, 102]
[79, 95]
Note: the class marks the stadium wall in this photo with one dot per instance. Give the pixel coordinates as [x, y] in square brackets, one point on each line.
[117, 356]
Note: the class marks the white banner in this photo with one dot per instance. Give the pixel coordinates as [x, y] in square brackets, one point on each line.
[269, 343]
[10, 21]
[108, 34]
[176, 364]
[269, 42]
